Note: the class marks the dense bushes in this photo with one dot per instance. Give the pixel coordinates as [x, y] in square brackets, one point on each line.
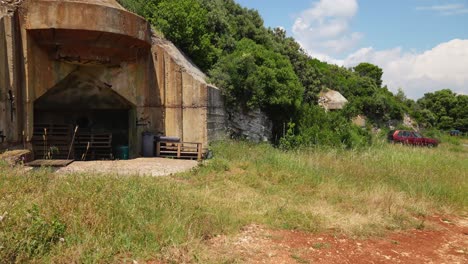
[317, 127]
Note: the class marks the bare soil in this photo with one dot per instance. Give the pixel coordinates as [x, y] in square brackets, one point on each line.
[445, 241]
[140, 166]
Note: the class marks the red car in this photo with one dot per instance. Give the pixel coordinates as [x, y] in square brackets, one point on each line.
[411, 138]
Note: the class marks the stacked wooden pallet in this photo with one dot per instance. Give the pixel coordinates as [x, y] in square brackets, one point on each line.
[93, 146]
[179, 150]
[51, 141]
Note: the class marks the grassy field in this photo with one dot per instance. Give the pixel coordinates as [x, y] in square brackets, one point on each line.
[103, 218]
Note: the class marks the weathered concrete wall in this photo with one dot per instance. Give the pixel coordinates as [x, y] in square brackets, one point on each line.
[109, 3]
[193, 110]
[10, 75]
[4, 76]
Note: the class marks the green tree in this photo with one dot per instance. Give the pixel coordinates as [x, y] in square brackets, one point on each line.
[308, 73]
[255, 77]
[369, 70]
[448, 109]
[401, 96]
[184, 22]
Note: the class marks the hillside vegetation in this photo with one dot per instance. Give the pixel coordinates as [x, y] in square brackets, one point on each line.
[263, 68]
[105, 218]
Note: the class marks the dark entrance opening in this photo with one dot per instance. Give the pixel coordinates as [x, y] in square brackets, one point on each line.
[80, 100]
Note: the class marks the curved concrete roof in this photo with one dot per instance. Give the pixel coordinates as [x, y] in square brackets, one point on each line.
[109, 3]
[91, 15]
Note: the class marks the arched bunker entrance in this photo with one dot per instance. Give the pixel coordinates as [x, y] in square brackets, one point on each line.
[92, 75]
[102, 118]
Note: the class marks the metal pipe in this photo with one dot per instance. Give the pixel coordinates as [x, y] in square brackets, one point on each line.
[11, 98]
[72, 142]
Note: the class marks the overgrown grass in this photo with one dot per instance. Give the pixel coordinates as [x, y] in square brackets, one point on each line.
[104, 218]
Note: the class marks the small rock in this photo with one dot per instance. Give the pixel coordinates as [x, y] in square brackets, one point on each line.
[446, 221]
[3, 216]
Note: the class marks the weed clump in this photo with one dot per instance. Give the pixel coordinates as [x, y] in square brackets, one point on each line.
[31, 236]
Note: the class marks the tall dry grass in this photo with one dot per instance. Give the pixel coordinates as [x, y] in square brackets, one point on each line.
[104, 218]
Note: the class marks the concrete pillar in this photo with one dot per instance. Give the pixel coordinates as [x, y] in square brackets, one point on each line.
[10, 77]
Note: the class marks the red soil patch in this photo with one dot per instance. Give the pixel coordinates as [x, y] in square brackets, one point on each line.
[447, 242]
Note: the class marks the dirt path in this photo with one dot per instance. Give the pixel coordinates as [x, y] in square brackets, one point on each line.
[446, 242]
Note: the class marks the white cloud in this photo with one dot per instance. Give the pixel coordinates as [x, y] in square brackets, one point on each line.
[324, 28]
[441, 7]
[444, 66]
[455, 12]
[447, 9]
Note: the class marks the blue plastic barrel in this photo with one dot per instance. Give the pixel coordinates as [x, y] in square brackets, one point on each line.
[148, 144]
[123, 152]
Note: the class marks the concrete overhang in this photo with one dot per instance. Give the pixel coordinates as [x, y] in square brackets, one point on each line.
[64, 15]
[81, 90]
[87, 47]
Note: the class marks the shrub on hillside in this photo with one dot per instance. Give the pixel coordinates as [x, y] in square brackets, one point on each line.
[317, 127]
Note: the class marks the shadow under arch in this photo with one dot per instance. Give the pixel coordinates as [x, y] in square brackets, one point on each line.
[104, 117]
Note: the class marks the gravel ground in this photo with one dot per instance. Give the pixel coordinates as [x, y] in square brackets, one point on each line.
[141, 166]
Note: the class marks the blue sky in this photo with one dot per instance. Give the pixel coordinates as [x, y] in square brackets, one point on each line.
[422, 45]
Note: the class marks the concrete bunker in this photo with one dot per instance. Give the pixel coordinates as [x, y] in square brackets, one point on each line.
[93, 64]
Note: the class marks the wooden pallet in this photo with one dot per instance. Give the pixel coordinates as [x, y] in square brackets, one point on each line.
[49, 163]
[58, 139]
[100, 146]
[179, 150]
